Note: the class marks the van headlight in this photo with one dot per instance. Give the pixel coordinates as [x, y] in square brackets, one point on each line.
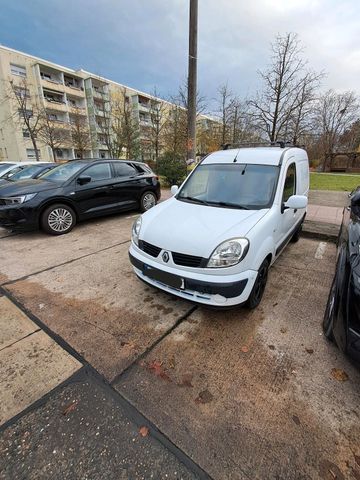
[20, 199]
[229, 253]
[135, 232]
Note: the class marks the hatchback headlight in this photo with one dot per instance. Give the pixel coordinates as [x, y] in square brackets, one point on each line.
[20, 199]
[229, 253]
[135, 232]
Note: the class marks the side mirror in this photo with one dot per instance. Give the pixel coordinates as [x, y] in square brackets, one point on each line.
[296, 202]
[83, 180]
[174, 190]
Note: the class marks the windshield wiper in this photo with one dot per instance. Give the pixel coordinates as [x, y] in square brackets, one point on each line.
[229, 204]
[194, 199]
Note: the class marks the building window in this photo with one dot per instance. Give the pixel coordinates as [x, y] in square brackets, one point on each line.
[30, 153]
[25, 113]
[52, 116]
[22, 92]
[18, 70]
[59, 153]
[45, 76]
[26, 133]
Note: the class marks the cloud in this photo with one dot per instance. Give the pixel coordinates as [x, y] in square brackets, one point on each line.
[144, 43]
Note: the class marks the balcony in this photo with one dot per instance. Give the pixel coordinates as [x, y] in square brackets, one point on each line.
[144, 107]
[74, 91]
[53, 84]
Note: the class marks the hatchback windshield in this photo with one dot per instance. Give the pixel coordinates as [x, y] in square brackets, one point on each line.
[4, 166]
[62, 173]
[22, 173]
[243, 186]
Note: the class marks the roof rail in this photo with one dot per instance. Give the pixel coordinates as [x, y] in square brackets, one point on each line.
[280, 143]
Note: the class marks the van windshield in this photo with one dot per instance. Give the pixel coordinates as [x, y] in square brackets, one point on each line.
[241, 186]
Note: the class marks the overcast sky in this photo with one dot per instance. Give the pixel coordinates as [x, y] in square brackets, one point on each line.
[143, 43]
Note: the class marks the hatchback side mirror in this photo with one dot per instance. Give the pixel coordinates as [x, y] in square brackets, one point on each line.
[296, 202]
[174, 189]
[83, 180]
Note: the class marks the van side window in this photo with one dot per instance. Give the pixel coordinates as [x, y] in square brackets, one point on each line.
[290, 183]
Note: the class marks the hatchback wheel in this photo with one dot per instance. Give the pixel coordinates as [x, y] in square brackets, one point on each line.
[58, 219]
[329, 315]
[259, 286]
[148, 200]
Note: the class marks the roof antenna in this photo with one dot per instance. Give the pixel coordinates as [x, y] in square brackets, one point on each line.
[235, 159]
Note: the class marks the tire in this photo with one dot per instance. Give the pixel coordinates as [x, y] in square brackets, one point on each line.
[147, 201]
[328, 321]
[58, 219]
[296, 237]
[259, 286]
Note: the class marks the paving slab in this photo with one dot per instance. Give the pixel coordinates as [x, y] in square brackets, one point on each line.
[82, 432]
[100, 308]
[322, 214]
[27, 253]
[251, 395]
[14, 324]
[329, 198]
[29, 369]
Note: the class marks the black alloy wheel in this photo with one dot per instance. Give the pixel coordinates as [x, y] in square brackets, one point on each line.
[258, 289]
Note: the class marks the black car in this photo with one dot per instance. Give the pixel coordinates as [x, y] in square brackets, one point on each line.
[26, 171]
[342, 314]
[76, 191]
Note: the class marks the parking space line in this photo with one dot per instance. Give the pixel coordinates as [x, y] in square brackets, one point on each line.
[319, 254]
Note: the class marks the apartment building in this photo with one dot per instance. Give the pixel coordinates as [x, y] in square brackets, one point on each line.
[61, 91]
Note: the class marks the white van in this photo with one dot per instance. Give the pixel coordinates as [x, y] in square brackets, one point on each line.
[215, 239]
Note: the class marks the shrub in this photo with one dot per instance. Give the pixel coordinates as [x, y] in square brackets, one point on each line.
[172, 167]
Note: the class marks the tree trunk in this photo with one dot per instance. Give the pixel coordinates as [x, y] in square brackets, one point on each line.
[33, 140]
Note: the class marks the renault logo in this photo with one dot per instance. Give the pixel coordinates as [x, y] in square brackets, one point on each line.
[165, 257]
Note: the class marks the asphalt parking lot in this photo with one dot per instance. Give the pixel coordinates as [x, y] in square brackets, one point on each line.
[224, 394]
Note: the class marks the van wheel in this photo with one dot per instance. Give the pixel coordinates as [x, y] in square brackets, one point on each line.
[259, 286]
[296, 237]
[58, 219]
[147, 201]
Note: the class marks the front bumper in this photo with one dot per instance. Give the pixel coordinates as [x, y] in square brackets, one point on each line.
[208, 289]
[18, 217]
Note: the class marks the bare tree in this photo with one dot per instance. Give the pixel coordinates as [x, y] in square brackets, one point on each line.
[129, 127]
[175, 129]
[28, 112]
[334, 114]
[110, 124]
[287, 88]
[80, 133]
[157, 124]
[300, 120]
[350, 139]
[53, 134]
[226, 113]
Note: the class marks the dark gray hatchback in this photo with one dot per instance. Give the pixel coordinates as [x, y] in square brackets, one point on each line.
[76, 191]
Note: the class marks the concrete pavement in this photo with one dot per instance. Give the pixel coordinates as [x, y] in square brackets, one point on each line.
[222, 394]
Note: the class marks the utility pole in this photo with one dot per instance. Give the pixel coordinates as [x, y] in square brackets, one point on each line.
[192, 80]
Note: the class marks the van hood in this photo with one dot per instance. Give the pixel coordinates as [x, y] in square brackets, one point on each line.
[195, 229]
[22, 187]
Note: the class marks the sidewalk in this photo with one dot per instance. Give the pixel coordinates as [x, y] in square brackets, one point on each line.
[322, 214]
